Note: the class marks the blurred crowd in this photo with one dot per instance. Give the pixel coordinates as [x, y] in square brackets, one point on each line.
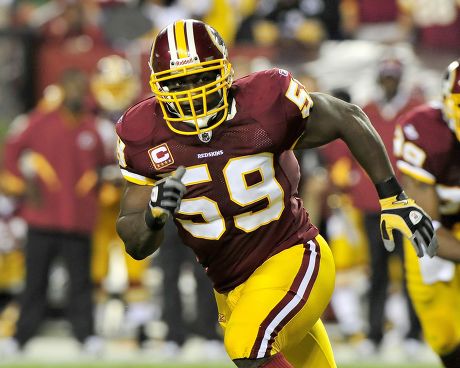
[68, 71]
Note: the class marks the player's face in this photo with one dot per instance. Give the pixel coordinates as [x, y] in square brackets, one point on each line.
[75, 87]
[192, 84]
[390, 85]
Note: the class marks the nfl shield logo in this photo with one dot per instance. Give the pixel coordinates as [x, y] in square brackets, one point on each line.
[205, 137]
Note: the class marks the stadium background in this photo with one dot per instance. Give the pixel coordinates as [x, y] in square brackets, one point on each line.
[327, 44]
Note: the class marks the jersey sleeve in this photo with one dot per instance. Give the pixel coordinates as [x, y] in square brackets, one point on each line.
[418, 148]
[16, 143]
[126, 156]
[290, 109]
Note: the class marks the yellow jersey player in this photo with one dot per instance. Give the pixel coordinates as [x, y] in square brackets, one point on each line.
[115, 87]
[217, 155]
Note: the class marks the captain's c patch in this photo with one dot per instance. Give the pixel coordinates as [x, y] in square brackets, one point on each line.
[161, 156]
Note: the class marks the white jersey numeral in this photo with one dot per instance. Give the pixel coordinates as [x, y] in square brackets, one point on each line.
[413, 154]
[240, 192]
[121, 153]
[408, 151]
[297, 94]
[213, 227]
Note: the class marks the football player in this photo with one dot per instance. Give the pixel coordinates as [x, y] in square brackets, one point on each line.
[217, 155]
[115, 87]
[428, 149]
[52, 158]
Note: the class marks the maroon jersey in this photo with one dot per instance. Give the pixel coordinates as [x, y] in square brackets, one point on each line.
[241, 204]
[429, 151]
[371, 11]
[439, 26]
[63, 158]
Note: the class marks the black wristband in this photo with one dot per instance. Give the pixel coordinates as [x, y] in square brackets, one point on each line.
[388, 188]
[153, 223]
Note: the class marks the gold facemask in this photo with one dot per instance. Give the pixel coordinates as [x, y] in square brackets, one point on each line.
[178, 107]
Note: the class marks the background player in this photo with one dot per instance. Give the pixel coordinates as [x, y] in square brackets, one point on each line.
[427, 146]
[234, 191]
[115, 86]
[58, 175]
[390, 99]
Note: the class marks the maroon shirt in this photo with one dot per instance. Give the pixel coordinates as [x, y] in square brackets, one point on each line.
[67, 152]
[442, 36]
[428, 150]
[241, 204]
[439, 29]
[371, 11]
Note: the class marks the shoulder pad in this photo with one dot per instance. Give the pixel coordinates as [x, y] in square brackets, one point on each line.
[270, 83]
[138, 122]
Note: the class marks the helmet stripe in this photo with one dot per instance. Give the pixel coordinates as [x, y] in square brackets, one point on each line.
[190, 37]
[172, 42]
[180, 39]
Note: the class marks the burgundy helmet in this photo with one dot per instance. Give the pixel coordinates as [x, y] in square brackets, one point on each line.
[191, 48]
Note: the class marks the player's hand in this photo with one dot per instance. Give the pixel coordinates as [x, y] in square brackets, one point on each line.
[166, 196]
[402, 214]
